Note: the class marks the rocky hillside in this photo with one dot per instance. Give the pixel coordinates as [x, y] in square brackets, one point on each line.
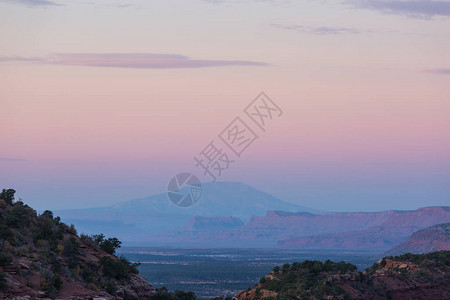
[403, 277]
[41, 257]
[435, 238]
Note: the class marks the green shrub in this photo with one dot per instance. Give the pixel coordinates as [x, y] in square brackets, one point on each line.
[132, 268]
[8, 196]
[89, 272]
[112, 268]
[51, 284]
[71, 247]
[71, 251]
[5, 232]
[44, 229]
[162, 293]
[121, 269]
[20, 215]
[47, 214]
[111, 288]
[182, 295]
[109, 245]
[57, 282]
[54, 262]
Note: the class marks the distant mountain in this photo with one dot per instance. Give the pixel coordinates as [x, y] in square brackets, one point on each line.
[421, 277]
[435, 238]
[131, 220]
[395, 227]
[344, 231]
[218, 199]
[199, 224]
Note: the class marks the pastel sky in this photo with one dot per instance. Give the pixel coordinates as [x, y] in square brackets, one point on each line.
[104, 101]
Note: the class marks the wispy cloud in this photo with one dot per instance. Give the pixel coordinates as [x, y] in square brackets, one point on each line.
[19, 58]
[317, 30]
[439, 71]
[10, 159]
[130, 60]
[414, 8]
[247, 1]
[32, 2]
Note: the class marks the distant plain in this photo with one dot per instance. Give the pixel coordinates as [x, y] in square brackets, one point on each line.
[224, 272]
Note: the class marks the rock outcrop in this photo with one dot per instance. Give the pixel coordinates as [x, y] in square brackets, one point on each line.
[403, 277]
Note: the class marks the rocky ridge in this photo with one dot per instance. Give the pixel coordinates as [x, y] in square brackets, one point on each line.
[43, 258]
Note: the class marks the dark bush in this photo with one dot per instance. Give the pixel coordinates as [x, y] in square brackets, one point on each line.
[111, 288]
[54, 262]
[182, 295]
[89, 272]
[5, 259]
[162, 293]
[109, 245]
[121, 269]
[113, 268]
[71, 251]
[57, 282]
[8, 196]
[20, 215]
[51, 284]
[5, 232]
[47, 214]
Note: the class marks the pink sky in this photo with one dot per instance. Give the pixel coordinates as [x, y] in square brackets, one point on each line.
[104, 102]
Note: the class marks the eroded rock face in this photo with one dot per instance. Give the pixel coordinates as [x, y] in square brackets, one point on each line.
[138, 288]
[253, 294]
